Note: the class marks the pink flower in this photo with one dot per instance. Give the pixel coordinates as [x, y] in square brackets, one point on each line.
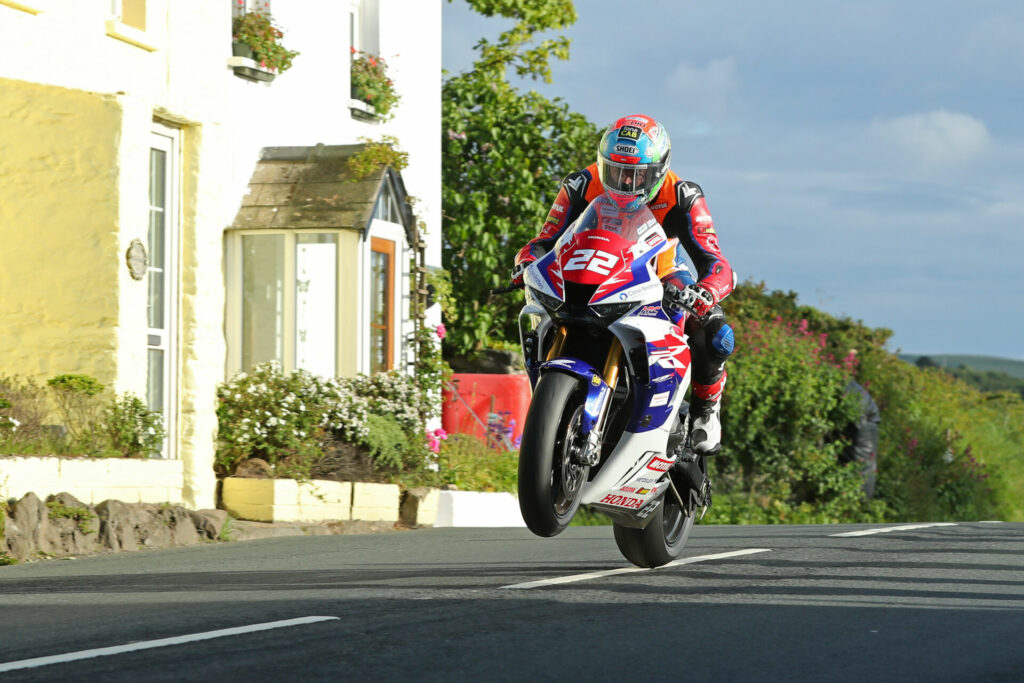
[440, 433]
[441, 331]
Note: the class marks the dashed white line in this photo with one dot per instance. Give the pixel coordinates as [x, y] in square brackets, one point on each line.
[888, 529]
[162, 642]
[629, 570]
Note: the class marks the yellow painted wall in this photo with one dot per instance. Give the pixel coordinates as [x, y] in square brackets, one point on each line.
[79, 95]
[59, 221]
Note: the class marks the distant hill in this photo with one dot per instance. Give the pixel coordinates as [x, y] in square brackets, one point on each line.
[1006, 366]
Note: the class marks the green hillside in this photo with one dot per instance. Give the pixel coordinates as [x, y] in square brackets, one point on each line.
[1007, 366]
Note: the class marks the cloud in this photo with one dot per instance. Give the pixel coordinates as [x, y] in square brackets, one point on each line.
[938, 138]
[708, 90]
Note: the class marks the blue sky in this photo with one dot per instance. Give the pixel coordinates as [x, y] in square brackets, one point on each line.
[868, 156]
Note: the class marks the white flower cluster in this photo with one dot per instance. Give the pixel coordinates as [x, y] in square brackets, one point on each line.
[390, 393]
[7, 422]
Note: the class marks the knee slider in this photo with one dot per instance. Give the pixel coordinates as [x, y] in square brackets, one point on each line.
[724, 340]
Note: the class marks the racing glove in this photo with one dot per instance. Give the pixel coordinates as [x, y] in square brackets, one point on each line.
[696, 298]
[519, 269]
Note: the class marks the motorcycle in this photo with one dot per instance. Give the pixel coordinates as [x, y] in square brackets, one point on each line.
[606, 426]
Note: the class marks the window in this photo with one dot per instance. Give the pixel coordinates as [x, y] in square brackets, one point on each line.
[162, 279]
[289, 300]
[130, 13]
[128, 23]
[382, 305]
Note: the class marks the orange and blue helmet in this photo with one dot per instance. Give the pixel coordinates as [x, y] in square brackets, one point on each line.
[633, 159]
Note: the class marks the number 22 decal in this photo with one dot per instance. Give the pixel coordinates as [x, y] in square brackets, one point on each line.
[600, 262]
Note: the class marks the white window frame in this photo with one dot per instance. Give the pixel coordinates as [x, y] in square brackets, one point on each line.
[168, 140]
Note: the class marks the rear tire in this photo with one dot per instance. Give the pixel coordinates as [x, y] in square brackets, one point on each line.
[550, 482]
[662, 540]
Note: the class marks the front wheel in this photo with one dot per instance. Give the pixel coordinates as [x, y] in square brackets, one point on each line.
[550, 479]
[662, 540]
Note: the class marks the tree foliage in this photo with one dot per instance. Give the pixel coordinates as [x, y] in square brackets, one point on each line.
[504, 153]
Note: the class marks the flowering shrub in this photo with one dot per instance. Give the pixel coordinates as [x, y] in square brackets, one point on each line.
[134, 430]
[290, 420]
[782, 405]
[257, 30]
[284, 419]
[92, 423]
[370, 82]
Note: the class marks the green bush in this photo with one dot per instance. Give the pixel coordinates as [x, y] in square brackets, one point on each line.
[134, 430]
[469, 464]
[284, 419]
[385, 442]
[81, 413]
[946, 451]
[783, 408]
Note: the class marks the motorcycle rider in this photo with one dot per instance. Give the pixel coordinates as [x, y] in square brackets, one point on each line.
[632, 168]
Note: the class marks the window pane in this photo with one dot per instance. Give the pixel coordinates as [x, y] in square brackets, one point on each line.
[155, 383]
[155, 304]
[316, 305]
[157, 237]
[262, 299]
[380, 314]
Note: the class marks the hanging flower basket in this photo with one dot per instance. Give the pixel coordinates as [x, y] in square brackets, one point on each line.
[256, 38]
[371, 84]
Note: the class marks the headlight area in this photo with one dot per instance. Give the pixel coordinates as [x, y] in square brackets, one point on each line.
[546, 300]
[614, 310]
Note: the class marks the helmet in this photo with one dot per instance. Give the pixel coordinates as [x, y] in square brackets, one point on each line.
[633, 159]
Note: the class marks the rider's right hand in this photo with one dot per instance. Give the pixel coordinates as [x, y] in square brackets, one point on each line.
[520, 268]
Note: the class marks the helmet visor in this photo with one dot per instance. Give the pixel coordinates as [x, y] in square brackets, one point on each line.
[624, 178]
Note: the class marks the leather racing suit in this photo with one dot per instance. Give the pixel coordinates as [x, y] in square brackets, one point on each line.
[682, 211]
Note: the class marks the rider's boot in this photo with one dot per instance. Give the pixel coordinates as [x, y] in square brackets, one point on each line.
[705, 418]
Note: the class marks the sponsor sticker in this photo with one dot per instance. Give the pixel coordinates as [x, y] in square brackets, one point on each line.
[630, 132]
[659, 399]
[595, 380]
[626, 149]
[622, 501]
[662, 205]
[649, 311]
[659, 464]
[628, 489]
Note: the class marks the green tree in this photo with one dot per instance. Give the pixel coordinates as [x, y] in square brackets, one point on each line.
[504, 153]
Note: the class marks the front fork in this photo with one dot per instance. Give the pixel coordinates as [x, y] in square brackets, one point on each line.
[600, 388]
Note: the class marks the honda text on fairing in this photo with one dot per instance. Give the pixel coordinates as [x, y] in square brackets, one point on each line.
[609, 369]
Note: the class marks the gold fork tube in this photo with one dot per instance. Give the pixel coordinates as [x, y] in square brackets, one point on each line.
[557, 344]
[612, 364]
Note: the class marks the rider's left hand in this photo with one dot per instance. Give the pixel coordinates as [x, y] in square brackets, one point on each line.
[696, 298]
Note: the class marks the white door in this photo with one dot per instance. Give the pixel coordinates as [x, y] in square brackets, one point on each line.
[162, 247]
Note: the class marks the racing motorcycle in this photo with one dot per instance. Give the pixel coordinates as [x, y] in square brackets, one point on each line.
[606, 426]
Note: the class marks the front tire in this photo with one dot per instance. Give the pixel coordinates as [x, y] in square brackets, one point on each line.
[662, 540]
[550, 482]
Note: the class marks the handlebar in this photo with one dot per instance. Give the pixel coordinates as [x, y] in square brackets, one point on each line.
[506, 290]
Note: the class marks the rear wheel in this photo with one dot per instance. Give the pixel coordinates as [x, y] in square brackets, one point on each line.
[662, 540]
[550, 480]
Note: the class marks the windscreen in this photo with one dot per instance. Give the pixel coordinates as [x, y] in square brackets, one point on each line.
[604, 214]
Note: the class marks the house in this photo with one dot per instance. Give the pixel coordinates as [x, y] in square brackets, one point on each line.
[148, 234]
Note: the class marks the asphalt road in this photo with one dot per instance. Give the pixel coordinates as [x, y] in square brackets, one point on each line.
[941, 603]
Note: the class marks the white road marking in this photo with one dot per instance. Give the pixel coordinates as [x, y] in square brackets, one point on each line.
[887, 529]
[629, 570]
[162, 642]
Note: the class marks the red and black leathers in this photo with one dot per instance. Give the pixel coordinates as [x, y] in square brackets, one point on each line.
[683, 213]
